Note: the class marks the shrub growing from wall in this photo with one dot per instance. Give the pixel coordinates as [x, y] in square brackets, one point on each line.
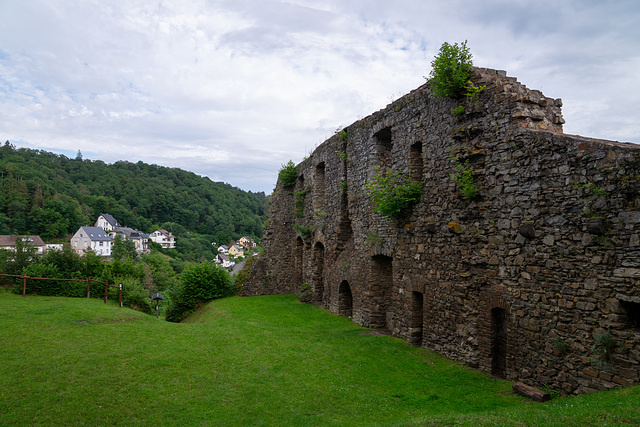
[288, 174]
[451, 69]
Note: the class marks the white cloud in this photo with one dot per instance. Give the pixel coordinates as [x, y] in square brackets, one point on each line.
[233, 89]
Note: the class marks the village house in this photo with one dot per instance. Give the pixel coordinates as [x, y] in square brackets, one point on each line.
[106, 222]
[163, 238]
[9, 242]
[224, 261]
[54, 247]
[247, 242]
[113, 228]
[223, 249]
[236, 251]
[140, 239]
[91, 239]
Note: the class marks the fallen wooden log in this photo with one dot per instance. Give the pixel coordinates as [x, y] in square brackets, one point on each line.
[531, 392]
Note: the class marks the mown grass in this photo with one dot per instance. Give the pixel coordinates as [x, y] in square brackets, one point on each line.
[248, 361]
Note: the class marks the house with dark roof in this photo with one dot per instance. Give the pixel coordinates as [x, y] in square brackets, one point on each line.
[106, 222]
[140, 239]
[224, 261]
[9, 242]
[236, 251]
[91, 239]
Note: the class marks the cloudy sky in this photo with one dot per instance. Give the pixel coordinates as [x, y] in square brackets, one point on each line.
[232, 89]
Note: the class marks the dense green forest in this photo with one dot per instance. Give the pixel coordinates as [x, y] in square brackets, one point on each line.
[52, 195]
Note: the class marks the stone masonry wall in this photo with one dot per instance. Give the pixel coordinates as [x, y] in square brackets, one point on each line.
[536, 279]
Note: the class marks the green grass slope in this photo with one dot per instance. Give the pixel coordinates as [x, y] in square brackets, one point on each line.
[248, 361]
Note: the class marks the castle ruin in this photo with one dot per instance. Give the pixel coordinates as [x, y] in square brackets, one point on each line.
[535, 279]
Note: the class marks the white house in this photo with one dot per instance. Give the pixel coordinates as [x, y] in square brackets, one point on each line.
[223, 249]
[163, 238]
[140, 239]
[106, 222]
[54, 246]
[224, 261]
[91, 238]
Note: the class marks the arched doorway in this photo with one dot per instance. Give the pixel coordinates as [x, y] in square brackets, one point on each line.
[499, 342]
[345, 299]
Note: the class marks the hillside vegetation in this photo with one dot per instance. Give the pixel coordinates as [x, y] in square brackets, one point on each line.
[249, 361]
[52, 195]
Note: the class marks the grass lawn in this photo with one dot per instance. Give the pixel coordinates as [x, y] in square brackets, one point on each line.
[248, 361]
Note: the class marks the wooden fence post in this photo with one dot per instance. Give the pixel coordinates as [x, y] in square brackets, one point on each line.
[120, 294]
[88, 286]
[106, 287]
[24, 285]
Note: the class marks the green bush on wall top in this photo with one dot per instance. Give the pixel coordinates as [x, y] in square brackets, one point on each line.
[450, 70]
[288, 174]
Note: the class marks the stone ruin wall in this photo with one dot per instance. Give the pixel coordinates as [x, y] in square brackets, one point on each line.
[519, 282]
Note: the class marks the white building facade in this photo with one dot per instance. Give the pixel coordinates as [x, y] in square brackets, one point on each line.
[91, 238]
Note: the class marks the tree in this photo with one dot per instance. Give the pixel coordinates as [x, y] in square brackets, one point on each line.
[199, 283]
[123, 249]
[13, 261]
[52, 195]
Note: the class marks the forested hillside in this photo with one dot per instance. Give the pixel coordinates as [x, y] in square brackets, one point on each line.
[52, 195]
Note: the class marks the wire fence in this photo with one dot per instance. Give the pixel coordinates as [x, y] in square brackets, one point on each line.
[88, 280]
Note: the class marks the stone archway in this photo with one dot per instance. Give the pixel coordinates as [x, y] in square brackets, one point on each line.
[345, 299]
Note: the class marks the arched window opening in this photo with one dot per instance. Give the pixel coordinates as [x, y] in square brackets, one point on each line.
[416, 165]
[383, 147]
